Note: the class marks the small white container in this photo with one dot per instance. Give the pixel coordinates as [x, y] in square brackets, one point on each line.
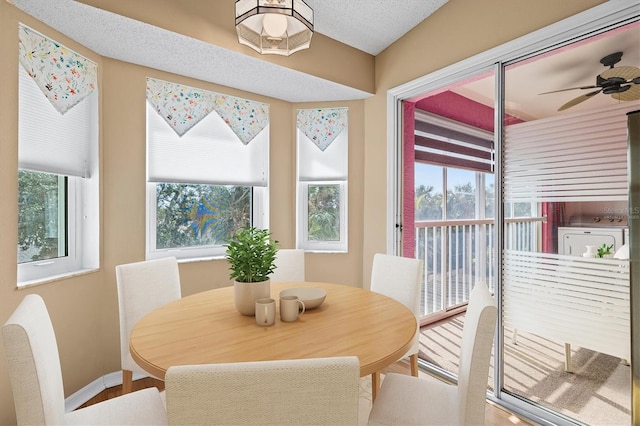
[591, 252]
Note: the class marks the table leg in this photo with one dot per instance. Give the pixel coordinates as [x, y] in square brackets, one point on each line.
[375, 385]
[414, 364]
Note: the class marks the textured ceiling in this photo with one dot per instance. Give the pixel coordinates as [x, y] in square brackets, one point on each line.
[369, 25]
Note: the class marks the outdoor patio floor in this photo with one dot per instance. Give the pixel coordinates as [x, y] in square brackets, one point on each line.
[597, 393]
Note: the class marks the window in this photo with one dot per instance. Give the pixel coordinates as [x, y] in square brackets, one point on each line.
[58, 223]
[324, 213]
[199, 215]
[463, 193]
[42, 216]
[429, 190]
[322, 179]
[202, 186]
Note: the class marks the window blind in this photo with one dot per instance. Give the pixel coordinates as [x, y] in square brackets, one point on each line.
[209, 153]
[571, 157]
[582, 301]
[449, 143]
[52, 142]
[317, 165]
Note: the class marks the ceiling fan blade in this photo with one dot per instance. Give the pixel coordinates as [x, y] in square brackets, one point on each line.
[608, 77]
[569, 88]
[628, 73]
[578, 100]
[632, 94]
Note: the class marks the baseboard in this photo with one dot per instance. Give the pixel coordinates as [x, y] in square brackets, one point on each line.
[83, 395]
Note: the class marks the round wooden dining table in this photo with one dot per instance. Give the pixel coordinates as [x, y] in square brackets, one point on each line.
[206, 328]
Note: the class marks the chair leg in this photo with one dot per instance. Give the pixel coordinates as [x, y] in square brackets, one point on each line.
[414, 364]
[127, 381]
[375, 385]
[568, 366]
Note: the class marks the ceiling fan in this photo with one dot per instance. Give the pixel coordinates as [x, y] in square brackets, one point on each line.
[622, 83]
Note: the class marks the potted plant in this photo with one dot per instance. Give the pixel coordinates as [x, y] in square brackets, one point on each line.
[251, 253]
[604, 251]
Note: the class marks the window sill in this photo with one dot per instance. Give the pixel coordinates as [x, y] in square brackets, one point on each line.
[53, 278]
[326, 251]
[201, 259]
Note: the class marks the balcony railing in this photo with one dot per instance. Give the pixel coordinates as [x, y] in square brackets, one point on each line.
[459, 253]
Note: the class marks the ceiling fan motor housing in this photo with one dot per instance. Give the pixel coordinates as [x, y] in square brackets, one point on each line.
[615, 89]
[612, 85]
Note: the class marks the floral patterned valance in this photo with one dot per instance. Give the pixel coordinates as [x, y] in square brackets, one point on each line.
[246, 118]
[182, 107]
[322, 125]
[64, 76]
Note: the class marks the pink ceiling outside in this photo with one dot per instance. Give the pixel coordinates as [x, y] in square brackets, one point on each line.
[456, 107]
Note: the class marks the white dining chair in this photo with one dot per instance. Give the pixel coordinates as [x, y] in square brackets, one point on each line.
[36, 378]
[399, 278]
[142, 287]
[320, 391]
[406, 400]
[289, 266]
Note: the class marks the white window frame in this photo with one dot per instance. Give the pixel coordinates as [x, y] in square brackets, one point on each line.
[30, 271]
[325, 166]
[259, 203]
[339, 246]
[82, 210]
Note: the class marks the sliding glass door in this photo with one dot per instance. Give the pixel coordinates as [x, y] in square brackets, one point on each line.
[557, 182]
[566, 317]
[449, 196]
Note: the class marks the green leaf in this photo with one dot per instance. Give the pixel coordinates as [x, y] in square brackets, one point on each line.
[251, 253]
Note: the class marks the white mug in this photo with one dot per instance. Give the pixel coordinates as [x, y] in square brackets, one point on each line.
[290, 308]
[265, 311]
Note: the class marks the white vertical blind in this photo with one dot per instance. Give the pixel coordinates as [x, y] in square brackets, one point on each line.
[52, 142]
[209, 153]
[570, 157]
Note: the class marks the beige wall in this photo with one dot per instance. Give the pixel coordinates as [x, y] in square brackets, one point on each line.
[84, 309]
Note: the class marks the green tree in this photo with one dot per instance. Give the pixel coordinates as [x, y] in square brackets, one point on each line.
[461, 202]
[38, 205]
[198, 215]
[428, 204]
[324, 212]
[490, 200]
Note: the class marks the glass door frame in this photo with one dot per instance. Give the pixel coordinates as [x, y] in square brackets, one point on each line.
[581, 26]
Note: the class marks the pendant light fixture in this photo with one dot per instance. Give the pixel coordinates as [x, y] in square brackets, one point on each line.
[279, 27]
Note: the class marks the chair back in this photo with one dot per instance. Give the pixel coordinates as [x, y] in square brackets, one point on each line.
[289, 266]
[321, 391]
[34, 364]
[143, 287]
[399, 278]
[475, 355]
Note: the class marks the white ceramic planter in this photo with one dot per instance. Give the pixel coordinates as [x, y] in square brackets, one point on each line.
[246, 294]
[591, 252]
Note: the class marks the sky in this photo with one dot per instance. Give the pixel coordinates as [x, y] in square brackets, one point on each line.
[426, 174]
